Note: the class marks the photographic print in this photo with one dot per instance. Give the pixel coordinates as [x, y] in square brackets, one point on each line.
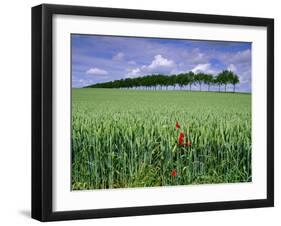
[129, 119]
[150, 112]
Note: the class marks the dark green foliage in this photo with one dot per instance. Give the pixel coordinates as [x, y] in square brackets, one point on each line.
[226, 77]
[159, 81]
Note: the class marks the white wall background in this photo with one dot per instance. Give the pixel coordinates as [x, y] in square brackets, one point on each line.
[15, 119]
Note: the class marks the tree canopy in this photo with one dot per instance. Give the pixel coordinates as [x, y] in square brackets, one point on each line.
[160, 81]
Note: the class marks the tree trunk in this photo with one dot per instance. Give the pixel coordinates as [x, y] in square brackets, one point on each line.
[225, 88]
[234, 88]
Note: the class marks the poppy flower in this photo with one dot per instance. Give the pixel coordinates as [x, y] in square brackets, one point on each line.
[178, 125]
[174, 173]
[181, 139]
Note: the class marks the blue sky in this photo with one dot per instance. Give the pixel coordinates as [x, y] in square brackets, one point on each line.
[97, 58]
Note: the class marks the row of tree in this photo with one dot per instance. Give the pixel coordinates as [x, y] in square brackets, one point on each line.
[159, 81]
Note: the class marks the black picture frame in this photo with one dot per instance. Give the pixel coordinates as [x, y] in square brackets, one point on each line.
[42, 111]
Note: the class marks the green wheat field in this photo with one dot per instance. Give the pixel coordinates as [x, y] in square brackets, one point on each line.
[129, 138]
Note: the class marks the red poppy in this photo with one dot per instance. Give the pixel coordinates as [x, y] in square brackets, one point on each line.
[178, 125]
[181, 139]
[174, 173]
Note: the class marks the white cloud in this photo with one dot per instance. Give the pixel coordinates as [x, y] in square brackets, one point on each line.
[96, 71]
[201, 68]
[133, 73]
[159, 64]
[232, 67]
[205, 68]
[160, 61]
[119, 56]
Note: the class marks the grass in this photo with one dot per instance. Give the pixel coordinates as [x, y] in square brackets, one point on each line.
[128, 138]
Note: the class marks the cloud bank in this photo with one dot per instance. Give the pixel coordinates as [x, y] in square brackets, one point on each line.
[105, 58]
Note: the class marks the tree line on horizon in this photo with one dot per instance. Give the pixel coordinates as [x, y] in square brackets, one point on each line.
[160, 81]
